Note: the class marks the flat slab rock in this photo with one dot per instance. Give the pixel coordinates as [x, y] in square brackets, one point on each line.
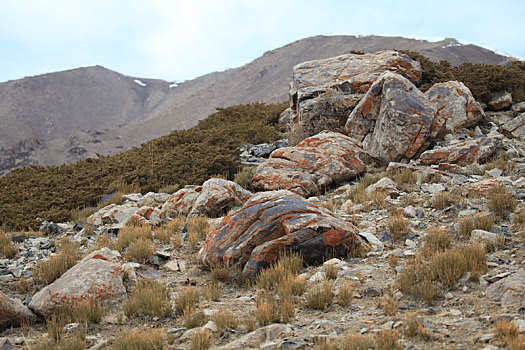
[394, 120]
[259, 336]
[13, 313]
[212, 199]
[515, 127]
[98, 277]
[477, 150]
[273, 222]
[510, 291]
[316, 162]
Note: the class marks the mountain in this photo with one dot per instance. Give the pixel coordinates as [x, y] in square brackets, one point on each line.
[67, 116]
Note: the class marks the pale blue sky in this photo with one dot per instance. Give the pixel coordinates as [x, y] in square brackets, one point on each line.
[177, 40]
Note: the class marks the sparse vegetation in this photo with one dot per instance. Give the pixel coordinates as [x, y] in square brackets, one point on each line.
[213, 292]
[266, 309]
[320, 296]
[193, 318]
[478, 222]
[53, 267]
[7, 248]
[244, 176]
[183, 157]
[186, 299]
[500, 201]
[414, 327]
[139, 250]
[398, 226]
[225, 319]
[150, 339]
[330, 271]
[149, 298]
[345, 294]
[197, 230]
[201, 340]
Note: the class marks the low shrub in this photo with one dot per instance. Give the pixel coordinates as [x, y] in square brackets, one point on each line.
[149, 339]
[186, 299]
[149, 298]
[320, 296]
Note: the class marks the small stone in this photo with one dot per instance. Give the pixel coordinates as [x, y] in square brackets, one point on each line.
[364, 330]
[70, 327]
[375, 243]
[410, 243]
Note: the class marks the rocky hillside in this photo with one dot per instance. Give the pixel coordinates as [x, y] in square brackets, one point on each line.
[403, 231]
[55, 113]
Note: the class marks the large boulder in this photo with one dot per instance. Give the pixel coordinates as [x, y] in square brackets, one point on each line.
[97, 277]
[274, 222]
[213, 198]
[456, 107]
[113, 214]
[332, 87]
[13, 313]
[314, 163]
[462, 153]
[148, 216]
[394, 120]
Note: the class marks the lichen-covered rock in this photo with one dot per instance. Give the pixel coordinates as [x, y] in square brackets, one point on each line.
[332, 87]
[213, 198]
[394, 120]
[314, 163]
[218, 196]
[510, 291]
[13, 313]
[515, 127]
[113, 214]
[273, 222]
[384, 184]
[148, 216]
[181, 202]
[500, 100]
[456, 107]
[462, 153]
[254, 339]
[519, 108]
[97, 277]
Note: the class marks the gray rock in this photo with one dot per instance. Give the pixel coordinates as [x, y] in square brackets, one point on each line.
[519, 108]
[514, 128]
[510, 291]
[432, 188]
[375, 243]
[13, 313]
[500, 100]
[485, 237]
[261, 335]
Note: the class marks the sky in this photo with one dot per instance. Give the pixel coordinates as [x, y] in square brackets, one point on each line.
[179, 40]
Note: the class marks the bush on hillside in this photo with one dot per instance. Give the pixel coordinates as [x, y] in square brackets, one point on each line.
[481, 79]
[183, 157]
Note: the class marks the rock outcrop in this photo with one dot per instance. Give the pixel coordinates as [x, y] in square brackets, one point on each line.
[515, 127]
[499, 101]
[332, 87]
[213, 198]
[97, 277]
[314, 163]
[456, 107]
[13, 313]
[510, 291]
[394, 120]
[274, 222]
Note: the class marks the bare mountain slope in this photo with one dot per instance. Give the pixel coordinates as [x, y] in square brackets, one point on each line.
[146, 112]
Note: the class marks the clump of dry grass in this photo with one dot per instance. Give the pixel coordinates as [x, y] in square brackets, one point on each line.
[441, 200]
[197, 230]
[130, 234]
[320, 296]
[213, 292]
[7, 248]
[330, 271]
[291, 285]
[393, 260]
[287, 309]
[414, 327]
[135, 339]
[506, 331]
[266, 309]
[389, 304]
[398, 226]
[345, 294]
[186, 299]
[139, 250]
[244, 176]
[201, 340]
[193, 318]
[85, 311]
[149, 298]
[287, 264]
[426, 275]
[55, 266]
[403, 176]
[478, 222]
[500, 201]
[220, 274]
[387, 339]
[351, 342]
[225, 319]
[436, 240]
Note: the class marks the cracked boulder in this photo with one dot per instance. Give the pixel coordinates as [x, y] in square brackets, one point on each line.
[394, 120]
[456, 107]
[332, 87]
[274, 222]
[215, 197]
[316, 162]
[13, 313]
[510, 291]
[98, 277]
[515, 128]
[462, 153]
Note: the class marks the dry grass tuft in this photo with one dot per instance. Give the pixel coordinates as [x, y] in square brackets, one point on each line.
[197, 230]
[345, 294]
[225, 319]
[500, 201]
[149, 298]
[7, 248]
[130, 234]
[150, 339]
[330, 271]
[186, 299]
[192, 318]
[387, 340]
[50, 269]
[442, 200]
[220, 274]
[403, 176]
[320, 296]
[478, 222]
[139, 250]
[287, 309]
[414, 327]
[436, 240]
[506, 331]
[85, 311]
[389, 304]
[244, 176]
[288, 264]
[201, 340]
[398, 226]
[266, 309]
[213, 292]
